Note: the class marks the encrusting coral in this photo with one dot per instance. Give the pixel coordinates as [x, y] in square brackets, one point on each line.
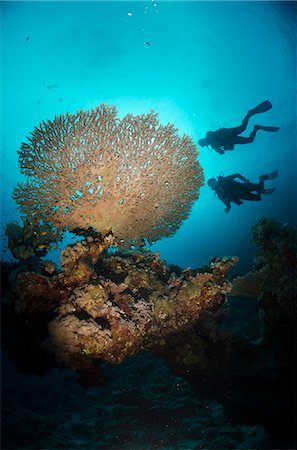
[32, 239]
[133, 176]
[253, 374]
[117, 306]
[273, 279]
[105, 306]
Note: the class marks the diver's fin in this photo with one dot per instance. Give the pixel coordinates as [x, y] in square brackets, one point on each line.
[273, 175]
[262, 127]
[262, 107]
[269, 176]
[269, 191]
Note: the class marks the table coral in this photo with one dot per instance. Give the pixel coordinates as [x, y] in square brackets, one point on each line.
[133, 176]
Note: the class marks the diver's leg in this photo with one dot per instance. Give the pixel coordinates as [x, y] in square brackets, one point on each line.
[260, 185]
[244, 124]
[260, 189]
[251, 196]
[269, 176]
[262, 178]
[269, 191]
[264, 128]
[273, 175]
[262, 107]
[251, 137]
[250, 187]
[246, 140]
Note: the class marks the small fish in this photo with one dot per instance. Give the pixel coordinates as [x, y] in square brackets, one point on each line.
[147, 44]
[27, 38]
[43, 233]
[51, 86]
[41, 246]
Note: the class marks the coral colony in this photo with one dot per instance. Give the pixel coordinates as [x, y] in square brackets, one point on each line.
[132, 181]
[133, 176]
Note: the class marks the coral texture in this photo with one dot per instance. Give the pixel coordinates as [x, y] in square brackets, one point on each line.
[252, 283]
[111, 321]
[116, 305]
[31, 239]
[253, 374]
[133, 176]
[273, 279]
[107, 306]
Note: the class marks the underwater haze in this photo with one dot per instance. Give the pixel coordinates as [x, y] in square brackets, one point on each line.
[201, 66]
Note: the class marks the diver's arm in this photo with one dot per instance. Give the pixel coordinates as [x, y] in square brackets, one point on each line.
[226, 202]
[228, 205]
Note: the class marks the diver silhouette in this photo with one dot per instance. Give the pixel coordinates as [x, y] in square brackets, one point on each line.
[228, 189]
[225, 138]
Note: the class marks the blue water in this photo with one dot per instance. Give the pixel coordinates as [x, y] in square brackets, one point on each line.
[208, 63]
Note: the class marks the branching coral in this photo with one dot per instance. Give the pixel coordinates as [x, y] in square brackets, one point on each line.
[133, 176]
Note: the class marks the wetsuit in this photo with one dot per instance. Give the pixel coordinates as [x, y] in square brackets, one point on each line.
[229, 190]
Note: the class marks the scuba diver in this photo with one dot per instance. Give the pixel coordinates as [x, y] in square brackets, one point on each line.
[228, 189]
[225, 138]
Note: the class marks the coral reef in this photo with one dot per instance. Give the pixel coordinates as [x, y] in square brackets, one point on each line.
[110, 321]
[273, 279]
[106, 306]
[31, 239]
[252, 283]
[115, 305]
[133, 176]
[253, 377]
